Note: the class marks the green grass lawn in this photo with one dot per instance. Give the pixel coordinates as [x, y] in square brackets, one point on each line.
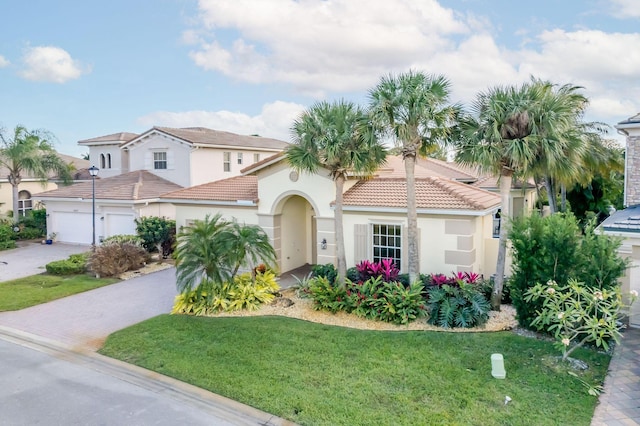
[324, 375]
[36, 289]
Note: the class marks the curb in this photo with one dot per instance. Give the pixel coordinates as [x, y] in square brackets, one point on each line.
[236, 412]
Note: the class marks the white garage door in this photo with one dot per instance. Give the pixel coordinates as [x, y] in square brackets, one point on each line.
[119, 224]
[72, 227]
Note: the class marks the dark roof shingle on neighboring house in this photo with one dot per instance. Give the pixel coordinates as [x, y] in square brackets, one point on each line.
[137, 185]
[431, 193]
[238, 188]
[627, 220]
[204, 136]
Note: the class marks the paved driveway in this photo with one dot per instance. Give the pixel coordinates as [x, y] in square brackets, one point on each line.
[31, 258]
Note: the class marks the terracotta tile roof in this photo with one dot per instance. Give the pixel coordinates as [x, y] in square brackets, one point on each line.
[204, 136]
[425, 167]
[121, 137]
[432, 193]
[138, 185]
[491, 183]
[236, 188]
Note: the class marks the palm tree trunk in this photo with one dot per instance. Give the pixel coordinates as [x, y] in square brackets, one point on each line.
[563, 198]
[505, 216]
[15, 192]
[412, 219]
[551, 194]
[339, 228]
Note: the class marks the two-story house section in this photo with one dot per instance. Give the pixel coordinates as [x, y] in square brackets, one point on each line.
[196, 155]
[105, 153]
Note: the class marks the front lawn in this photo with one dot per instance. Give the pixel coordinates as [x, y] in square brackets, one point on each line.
[36, 289]
[315, 374]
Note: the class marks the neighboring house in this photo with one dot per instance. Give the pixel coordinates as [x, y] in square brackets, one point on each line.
[180, 157]
[31, 186]
[188, 156]
[297, 212]
[119, 200]
[626, 223]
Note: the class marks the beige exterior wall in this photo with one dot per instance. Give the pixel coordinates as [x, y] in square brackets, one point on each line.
[178, 158]
[6, 192]
[207, 164]
[184, 214]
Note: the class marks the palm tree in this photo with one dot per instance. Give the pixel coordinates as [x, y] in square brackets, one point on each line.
[414, 109]
[30, 152]
[213, 250]
[336, 136]
[496, 138]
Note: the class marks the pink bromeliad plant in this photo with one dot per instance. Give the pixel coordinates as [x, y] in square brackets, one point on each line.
[386, 269]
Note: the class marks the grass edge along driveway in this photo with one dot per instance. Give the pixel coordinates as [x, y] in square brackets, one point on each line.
[315, 374]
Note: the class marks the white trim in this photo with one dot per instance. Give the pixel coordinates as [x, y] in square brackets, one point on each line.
[183, 202]
[238, 147]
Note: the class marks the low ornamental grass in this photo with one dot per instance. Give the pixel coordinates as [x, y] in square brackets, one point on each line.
[36, 289]
[315, 374]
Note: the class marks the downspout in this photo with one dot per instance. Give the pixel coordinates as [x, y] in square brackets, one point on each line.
[626, 164]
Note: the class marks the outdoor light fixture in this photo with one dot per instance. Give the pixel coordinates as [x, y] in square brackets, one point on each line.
[93, 171]
[497, 366]
[323, 244]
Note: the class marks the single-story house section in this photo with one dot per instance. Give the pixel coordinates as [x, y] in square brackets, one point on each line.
[119, 200]
[297, 212]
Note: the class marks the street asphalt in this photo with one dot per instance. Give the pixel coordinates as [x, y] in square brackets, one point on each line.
[51, 375]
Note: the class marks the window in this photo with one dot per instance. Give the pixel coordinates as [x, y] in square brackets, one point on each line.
[25, 204]
[387, 243]
[256, 158]
[108, 161]
[159, 160]
[239, 158]
[227, 161]
[102, 161]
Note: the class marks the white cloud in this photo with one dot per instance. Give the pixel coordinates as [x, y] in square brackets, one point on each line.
[625, 9]
[4, 62]
[319, 45]
[274, 120]
[51, 64]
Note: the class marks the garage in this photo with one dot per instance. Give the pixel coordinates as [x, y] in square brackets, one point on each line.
[119, 224]
[71, 227]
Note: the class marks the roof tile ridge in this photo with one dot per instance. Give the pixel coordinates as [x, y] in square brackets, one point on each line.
[457, 189]
[137, 185]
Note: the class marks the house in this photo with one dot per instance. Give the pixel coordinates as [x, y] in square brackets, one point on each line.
[135, 169]
[296, 210]
[626, 223]
[31, 185]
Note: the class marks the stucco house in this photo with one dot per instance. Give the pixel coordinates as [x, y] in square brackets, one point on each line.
[31, 186]
[134, 170]
[626, 223]
[455, 218]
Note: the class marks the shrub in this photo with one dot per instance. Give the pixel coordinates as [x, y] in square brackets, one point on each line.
[553, 248]
[124, 238]
[36, 221]
[157, 233]
[385, 301]
[65, 267]
[7, 237]
[327, 296]
[327, 271]
[113, 259]
[243, 293]
[29, 233]
[352, 274]
[461, 305]
[385, 269]
[577, 314]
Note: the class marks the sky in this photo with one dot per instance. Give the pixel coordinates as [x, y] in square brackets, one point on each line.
[86, 68]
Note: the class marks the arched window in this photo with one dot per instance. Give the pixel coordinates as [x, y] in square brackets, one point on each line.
[108, 161]
[25, 204]
[102, 161]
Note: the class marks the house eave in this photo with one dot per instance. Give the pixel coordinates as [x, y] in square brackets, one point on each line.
[183, 202]
[403, 210]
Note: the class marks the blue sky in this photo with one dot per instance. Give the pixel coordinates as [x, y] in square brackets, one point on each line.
[83, 69]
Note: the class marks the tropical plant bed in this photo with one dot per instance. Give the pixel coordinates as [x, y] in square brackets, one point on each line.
[303, 309]
[315, 374]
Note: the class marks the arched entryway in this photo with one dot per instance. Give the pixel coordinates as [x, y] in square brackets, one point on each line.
[296, 234]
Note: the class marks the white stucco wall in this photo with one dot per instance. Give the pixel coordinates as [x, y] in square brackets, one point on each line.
[178, 158]
[118, 164]
[207, 164]
[186, 213]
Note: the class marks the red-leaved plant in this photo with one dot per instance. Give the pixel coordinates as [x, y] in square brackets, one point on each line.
[386, 269]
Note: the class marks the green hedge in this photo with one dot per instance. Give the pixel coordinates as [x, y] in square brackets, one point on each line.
[75, 264]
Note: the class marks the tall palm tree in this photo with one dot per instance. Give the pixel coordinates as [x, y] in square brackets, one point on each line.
[496, 138]
[32, 152]
[414, 109]
[338, 137]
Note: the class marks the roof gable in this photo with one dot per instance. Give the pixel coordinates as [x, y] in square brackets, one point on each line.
[118, 138]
